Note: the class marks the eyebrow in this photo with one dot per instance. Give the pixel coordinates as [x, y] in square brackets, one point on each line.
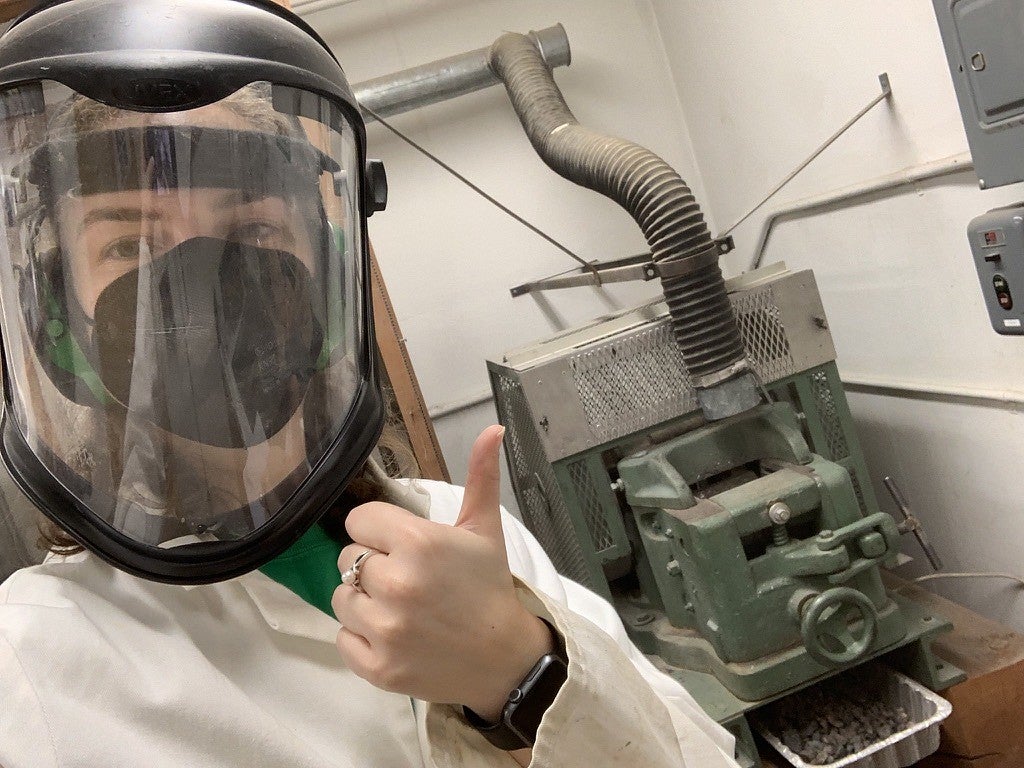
[238, 197]
[115, 214]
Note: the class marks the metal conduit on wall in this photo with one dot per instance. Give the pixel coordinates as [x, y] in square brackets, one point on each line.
[452, 76]
[1005, 399]
[938, 391]
[811, 206]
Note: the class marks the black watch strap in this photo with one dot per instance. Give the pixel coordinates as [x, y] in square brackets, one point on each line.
[527, 703]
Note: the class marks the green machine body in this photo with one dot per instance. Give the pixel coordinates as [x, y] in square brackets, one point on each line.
[747, 556]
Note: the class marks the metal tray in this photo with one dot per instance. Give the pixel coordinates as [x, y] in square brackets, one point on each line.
[904, 748]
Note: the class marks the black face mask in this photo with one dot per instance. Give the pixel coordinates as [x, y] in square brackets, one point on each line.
[216, 344]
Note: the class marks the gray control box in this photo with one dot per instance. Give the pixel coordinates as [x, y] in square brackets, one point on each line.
[997, 242]
[984, 42]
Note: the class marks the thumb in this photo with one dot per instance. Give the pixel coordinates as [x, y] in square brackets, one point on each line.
[481, 503]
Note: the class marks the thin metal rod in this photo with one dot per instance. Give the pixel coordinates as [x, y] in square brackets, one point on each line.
[633, 269]
[504, 208]
[934, 576]
[883, 79]
[315, 6]
[447, 409]
[949, 166]
[913, 523]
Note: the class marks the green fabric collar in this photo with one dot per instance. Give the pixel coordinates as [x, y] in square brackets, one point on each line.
[309, 568]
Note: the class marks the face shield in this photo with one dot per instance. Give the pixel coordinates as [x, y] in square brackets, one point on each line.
[186, 329]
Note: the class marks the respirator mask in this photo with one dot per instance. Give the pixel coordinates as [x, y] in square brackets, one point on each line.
[187, 341]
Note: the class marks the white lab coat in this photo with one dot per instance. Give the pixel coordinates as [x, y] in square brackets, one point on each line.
[99, 668]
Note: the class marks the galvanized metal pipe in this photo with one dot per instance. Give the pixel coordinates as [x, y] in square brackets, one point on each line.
[955, 164]
[1008, 399]
[454, 76]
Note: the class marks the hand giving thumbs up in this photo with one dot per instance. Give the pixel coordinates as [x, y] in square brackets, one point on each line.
[435, 615]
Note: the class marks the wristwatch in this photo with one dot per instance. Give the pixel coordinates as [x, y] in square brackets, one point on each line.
[526, 705]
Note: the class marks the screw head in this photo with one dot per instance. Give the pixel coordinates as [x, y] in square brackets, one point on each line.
[779, 513]
[826, 534]
[643, 618]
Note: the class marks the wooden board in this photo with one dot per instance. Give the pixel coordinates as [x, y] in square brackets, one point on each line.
[9, 9]
[985, 729]
[403, 382]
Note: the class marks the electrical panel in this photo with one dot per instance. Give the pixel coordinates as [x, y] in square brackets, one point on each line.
[997, 242]
[983, 46]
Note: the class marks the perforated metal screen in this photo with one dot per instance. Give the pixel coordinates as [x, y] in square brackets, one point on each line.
[830, 421]
[540, 500]
[637, 381]
[630, 384]
[587, 498]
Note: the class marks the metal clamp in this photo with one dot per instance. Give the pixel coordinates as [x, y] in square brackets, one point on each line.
[711, 379]
[639, 267]
[875, 537]
[911, 524]
[673, 268]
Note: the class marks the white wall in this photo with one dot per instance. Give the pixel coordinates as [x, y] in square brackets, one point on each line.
[449, 258]
[762, 83]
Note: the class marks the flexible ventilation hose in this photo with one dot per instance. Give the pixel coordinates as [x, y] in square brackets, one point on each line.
[664, 207]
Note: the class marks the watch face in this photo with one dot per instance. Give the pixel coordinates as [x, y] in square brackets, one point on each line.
[537, 694]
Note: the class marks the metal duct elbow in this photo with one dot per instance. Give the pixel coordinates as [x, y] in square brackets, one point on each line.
[661, 203]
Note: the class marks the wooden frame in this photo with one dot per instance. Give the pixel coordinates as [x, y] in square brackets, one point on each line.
[9, 9]
[408, 398]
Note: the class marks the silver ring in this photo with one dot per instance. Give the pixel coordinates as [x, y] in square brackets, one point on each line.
[353, 572]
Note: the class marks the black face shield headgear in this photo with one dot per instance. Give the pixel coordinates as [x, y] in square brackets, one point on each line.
[188, 351]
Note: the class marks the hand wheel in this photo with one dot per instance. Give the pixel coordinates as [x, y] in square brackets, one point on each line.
[825, 626]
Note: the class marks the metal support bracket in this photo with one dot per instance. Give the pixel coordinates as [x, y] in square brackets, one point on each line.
[639, 267]
[912, 524]
[883, 81]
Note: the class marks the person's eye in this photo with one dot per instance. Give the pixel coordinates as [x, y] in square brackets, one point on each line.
[124, 249]
[260, 233]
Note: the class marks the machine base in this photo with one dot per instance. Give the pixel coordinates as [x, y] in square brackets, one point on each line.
[911, 654]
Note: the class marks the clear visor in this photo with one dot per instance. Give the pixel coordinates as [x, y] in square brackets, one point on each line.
[181, 301]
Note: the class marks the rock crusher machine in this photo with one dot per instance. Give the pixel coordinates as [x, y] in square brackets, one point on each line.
[744, 554]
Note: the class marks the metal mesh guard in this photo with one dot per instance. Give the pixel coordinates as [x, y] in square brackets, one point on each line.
[630, 384]
[540, 500]
[825, 401]
[587, 498]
